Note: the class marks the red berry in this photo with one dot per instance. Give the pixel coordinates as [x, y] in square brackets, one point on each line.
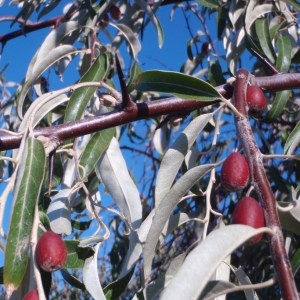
[115, 12]
[249, 212]
[256, 100]
[31, 295]
[50, 252]
[205, 49]
[235, 172]
[103, 22]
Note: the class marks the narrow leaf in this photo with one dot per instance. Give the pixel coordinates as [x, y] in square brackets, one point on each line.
[91, 276]
[65, 34]
[114, 174]
[48, 8]
[30, 176]
[154, 20]
[278, 105]
[178, 84]
[81, 96]
[263, 34]
[137, 239]
[94, 149]
[40, 66]
[72, 280]
[202, 261]
[165, 209]
[284, 57]
[116, 288]
[235, 48]
[293, 140]
[295, 261]
[175, 155]
[134, 71]
[294, 3]
[59, 212]
[209, 3]
[215, 75]
[41, 106]
[130, 37]
[222, 273]
[244, 279]
[254, 11]
[77, 255]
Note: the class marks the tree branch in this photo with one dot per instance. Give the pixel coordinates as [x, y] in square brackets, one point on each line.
[27, 28]
[145, 110]
[263, 190]
[85, 126]
[277, 82]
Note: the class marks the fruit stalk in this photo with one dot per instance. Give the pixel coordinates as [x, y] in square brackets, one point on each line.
[262, 187]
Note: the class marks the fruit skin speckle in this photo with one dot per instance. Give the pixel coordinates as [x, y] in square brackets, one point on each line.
[235, 172]
[256, 100]
[31, 295]
[50, 252]
[249, 212]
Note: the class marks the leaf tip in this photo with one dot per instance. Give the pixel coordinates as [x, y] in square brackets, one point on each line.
[10, 288]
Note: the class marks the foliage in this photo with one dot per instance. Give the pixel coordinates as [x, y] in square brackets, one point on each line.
[134, 159]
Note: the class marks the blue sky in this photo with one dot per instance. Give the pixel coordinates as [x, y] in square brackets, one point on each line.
[18, 52]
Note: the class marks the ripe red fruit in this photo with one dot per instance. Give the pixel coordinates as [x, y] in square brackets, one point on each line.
[256, 100]
[205, 49]
[249, 212]
[115, 12]
[235, 172]
[31, 295]
[103, 22]
[50, 252]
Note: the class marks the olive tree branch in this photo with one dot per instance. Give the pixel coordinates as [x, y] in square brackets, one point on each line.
[90, 125]
[262, 187]
[30, 27]
[150, 109]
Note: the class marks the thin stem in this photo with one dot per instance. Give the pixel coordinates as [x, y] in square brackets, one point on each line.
[51, 170]
[212, 177]
[34, 239]
[270, 66]
[127, 103]
[243, 287]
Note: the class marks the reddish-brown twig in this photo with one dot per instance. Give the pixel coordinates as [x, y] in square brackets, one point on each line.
[145, 110]
[27, 28]
[263, 190]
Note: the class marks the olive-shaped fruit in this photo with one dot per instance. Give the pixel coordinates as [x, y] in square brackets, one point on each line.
[235, 172]
[50, 252]
[115, 12]
[256, 100]
[249, 212]
[103, 22]
[31, 295]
